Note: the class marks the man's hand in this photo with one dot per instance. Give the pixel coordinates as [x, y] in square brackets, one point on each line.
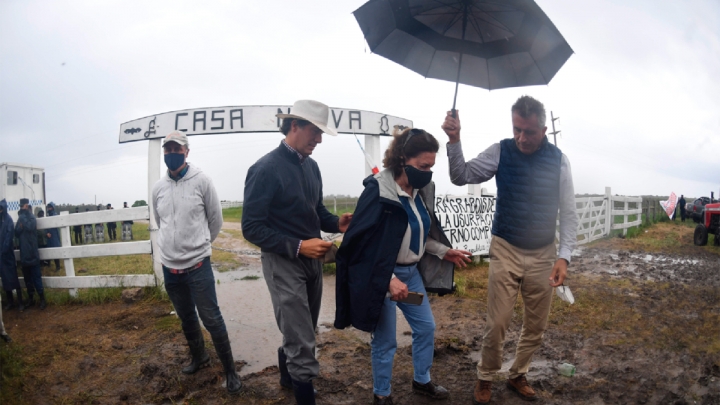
[398, 289]
[314, 248]
[344, 222]
[451, 126]
[457, 256]
[49, 235]
[559, 272]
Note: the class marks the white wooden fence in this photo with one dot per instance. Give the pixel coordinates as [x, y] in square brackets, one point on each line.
[596, 215]
[230, 204]
[67, 252]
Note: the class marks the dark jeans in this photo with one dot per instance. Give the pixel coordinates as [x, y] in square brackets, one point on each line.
[192, 290]
[33, 279]
[77, 231]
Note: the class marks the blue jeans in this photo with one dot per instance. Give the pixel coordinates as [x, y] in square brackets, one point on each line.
[192, 290]
[384, 344]
[33, 279]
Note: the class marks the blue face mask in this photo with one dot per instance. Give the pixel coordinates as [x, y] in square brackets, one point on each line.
[174, 161]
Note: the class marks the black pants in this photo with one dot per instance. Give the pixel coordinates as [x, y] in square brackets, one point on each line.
[112, 233]
[77, 231]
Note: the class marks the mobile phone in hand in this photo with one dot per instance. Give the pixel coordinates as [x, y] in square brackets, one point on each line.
[413, 298]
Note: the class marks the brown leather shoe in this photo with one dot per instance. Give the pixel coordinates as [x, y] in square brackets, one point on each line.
[482, 392]
[520, 385]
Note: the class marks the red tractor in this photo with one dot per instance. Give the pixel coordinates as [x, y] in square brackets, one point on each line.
[710, 224]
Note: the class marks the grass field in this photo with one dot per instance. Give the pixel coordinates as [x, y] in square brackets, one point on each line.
[658, 315]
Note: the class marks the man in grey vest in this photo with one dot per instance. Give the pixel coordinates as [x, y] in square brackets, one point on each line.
[533, 182]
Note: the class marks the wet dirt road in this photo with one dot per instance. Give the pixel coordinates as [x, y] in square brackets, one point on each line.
[246, 307]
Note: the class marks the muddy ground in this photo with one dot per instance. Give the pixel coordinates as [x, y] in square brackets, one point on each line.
[645, 330]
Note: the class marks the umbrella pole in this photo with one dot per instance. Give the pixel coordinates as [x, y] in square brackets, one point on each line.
[457, 78]
[457, 83]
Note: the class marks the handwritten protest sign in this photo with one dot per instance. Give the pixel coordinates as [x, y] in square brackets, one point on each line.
[467, 221]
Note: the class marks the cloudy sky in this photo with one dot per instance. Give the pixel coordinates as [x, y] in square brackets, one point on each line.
[639, 101]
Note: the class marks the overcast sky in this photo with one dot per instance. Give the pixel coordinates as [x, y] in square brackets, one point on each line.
[639, 101]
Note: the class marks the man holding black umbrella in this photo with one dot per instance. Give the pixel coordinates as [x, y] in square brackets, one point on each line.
[533, 182]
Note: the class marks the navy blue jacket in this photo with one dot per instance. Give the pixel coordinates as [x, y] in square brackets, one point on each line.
[8, 266]
[528, 195]
[26, 232]
[367, 255]
[284, 203]
[54, 239]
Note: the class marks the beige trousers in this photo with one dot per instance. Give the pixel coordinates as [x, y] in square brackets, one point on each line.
[514, 270]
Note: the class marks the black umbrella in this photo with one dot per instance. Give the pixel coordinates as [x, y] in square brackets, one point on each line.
[490, 44]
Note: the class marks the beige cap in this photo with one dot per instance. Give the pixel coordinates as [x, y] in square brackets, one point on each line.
[176, 136]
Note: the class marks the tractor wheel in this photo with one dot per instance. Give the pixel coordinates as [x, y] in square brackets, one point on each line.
[717, 237]
[701, 235]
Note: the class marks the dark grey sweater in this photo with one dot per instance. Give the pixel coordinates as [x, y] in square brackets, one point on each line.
[283, 203]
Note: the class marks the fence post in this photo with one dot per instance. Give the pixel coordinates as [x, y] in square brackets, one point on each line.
[69, 264]
[608, 211]
[335, 204]
[625, 218]
[154, 148]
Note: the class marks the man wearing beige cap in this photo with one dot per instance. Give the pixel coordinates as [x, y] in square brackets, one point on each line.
[189, 218]
[283, 213]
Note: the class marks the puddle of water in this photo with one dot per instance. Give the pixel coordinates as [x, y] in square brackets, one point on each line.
[250, 320]
[539, 367]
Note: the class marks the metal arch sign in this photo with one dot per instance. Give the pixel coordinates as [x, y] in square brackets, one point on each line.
[239, 119]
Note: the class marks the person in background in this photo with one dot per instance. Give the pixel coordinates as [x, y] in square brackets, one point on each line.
[127, 227]
[189, 218]
[8, 265]
[26, 232]
[52, 234]
[395, 245]
[283, 214]
[42, 238]
[99, 229]
[77, 231]
[3, 333]
[534, 183]
[88, 231]
[112, 227]
[681, 204]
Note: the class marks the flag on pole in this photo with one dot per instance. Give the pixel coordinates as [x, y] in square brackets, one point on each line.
[669, 205]
[368, 159]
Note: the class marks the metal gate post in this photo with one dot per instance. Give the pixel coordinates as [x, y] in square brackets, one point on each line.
[154, 148]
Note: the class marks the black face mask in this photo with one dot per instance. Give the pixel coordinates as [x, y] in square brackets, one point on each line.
[418, 178]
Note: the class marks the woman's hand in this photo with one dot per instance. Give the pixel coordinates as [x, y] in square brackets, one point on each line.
[457, 256]
[398, 289]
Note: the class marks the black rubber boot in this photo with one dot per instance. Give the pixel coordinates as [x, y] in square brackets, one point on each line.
[43, 304]
[224, 352]
[285, 379]
[31, 301]
[9, 301]
[21, 304]
[304, 393]
[200, 357]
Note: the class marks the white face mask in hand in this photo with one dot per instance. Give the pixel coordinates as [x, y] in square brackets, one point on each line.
[564, 293]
